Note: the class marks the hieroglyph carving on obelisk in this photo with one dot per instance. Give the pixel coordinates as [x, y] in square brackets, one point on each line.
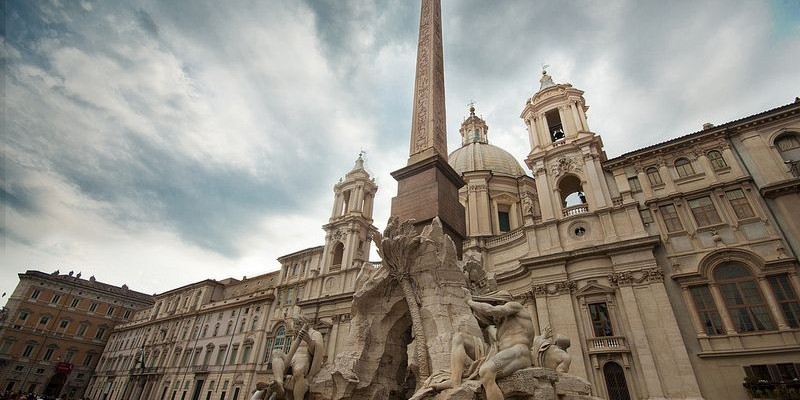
[428, 132]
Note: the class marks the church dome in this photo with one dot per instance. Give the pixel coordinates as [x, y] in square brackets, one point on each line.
[479, 156]
[476, 154]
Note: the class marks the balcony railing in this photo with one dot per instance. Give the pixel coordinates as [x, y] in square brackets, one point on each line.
[200, 368]
[608, 344]
[575, 210]
[144, 371]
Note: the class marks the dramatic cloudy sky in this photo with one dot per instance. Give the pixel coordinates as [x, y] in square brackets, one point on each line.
[157, 143]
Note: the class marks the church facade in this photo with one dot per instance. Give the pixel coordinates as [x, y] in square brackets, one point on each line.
[672, 268]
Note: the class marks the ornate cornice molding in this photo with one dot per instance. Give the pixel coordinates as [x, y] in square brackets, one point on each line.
[554, 288]
[636, 277]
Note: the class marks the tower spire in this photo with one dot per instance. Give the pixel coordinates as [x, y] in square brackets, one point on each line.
[428, 120]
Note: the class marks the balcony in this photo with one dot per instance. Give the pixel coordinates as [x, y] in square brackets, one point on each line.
[144, 371]
[199, 369]
[607, 344]
[575, 210]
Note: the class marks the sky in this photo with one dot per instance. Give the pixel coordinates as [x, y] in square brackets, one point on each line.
[159, 143]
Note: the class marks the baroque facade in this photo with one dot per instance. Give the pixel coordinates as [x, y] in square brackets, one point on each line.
[672, 268]
[54, 329]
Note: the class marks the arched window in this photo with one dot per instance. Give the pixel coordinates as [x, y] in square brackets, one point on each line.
[788, 145]
[684, 167]
[205, 331]
[242, 325]
[743, 298]
[229, 329]
[280, 338]
[653, 176]
[716, 160]
[216, 329]
[787, 142]
[338, 254]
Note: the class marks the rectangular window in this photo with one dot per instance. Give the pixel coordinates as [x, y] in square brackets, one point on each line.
[290, 296]
[100, 333]
[220, 356]
[647, 217]
[44, 320]
[49, 353]
[246, 354]
[88, 359]
[69, 356]
[670, 216]
[93, 307]
[234, 353]
[6, 348]
[28, 351]
[75, 303]
[554, 125]
[81, 330]
[503, 221]
[707, 310]
[127, 314]
[110, 311]
[56, 298]
[64, 324]
[787, 298]
[741, 207]
[23, 315]
[704, 212]
[35, 294]
[601, 320]
[634, 184]
[654, 177]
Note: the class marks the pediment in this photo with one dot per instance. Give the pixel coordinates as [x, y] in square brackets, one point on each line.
[594, 288]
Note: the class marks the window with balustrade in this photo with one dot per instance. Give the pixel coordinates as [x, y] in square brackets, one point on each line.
[601, 319]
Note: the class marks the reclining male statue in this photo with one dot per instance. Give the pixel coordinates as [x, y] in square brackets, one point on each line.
[304, 360]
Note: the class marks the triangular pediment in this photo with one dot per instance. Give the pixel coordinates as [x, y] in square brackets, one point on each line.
[594, 288]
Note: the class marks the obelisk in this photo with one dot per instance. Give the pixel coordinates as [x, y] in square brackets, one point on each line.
[428, 186]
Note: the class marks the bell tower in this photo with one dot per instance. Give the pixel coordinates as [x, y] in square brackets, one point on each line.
[348, 232]
[565, 155]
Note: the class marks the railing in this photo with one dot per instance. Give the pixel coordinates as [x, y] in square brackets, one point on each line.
[144, 371]
[505, 238]
[575, 210]
[607, 344]
[794, 167]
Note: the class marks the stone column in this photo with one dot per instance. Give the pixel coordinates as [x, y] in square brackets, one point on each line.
[544, 131]
[794, 279]
[773, 303]
[730, 159]
[531, 123]
[666, 177]
[727, 322]
[582, 115]
[599, 199]
[545, 195]
[576, 117]
[698, 325]
[644, 182]
[638, 335]
[332, 337]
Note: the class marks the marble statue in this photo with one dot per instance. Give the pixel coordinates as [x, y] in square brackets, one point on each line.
[514, 338]
[303, 360]
[551, 352]
[265, 391]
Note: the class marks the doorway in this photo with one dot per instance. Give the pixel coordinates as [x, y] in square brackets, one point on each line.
[616, 385]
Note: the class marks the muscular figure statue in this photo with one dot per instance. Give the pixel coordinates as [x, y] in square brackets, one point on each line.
[514, 338]
[304, 359]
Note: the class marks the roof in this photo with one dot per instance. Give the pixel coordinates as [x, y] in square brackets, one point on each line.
[719, 129]
[478, 156]
[90, 283]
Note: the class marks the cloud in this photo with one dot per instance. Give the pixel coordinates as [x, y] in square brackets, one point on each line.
[205, 140]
